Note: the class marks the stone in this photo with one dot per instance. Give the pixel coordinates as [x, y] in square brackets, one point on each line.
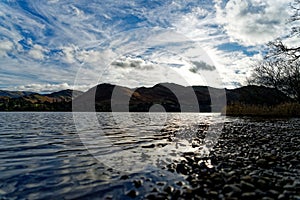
[246, 178]
[168, 189]
[182, 168]
[267, 198]
[273, 193]
[262, 184]
[151, 197]
[281, 196]
[249, 195]
[138, 183]
[179, 183]
[161, 183]
[232, 188]
[247, 186]
[149, 146]
[132, 193]
[213, 194]
[262, 163]
[124, 177]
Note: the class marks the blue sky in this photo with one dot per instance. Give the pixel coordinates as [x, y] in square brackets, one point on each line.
[50, 45]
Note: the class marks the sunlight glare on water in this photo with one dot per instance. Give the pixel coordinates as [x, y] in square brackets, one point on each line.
[133, 145]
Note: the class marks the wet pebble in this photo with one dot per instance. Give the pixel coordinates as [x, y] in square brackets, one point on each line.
[138, 183]
[168, 189]
[132, 193]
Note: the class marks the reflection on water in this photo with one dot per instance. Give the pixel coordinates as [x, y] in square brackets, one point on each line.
[43, 155]
[134, 141]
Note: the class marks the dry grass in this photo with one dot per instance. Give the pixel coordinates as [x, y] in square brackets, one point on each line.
[282, 110]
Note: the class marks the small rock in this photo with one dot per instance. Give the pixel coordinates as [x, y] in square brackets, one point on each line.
[274, 152]
[132, 193]
[138, 183]
[149, 146]
[249, 195]
[108, 197]
[262, 163]
[231, 173]
[267, 198]
[232, 188]
[110, 169]
[182, 168]
[246, 178]
[294, 161]
[168, 189]
[262, 184]
[171, 170]
[148, 179]
[213, 194]
[176, 194]
[124, 177]
[259, 193]
[247, 186]
[160, 183]
[273, 193]
[179, 183]
[289, 187]
[281, 196]
[151, 196]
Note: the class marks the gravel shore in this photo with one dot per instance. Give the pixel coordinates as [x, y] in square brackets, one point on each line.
[251, 160]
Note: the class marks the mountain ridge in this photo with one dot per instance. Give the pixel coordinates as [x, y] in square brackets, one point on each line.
[107, 97]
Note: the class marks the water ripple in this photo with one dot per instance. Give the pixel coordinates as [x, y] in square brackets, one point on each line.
[42, 156]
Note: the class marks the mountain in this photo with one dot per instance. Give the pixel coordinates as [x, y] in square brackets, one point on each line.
[14, 94]
[30, 101]
[66, 95]
[256, 95]
[173, 98]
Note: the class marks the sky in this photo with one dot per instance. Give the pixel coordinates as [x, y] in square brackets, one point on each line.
[50, 45]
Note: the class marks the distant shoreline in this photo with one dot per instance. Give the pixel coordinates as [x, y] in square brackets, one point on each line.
[248, 100]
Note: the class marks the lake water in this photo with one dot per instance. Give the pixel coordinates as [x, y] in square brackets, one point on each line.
[87, 155]
[66, 155]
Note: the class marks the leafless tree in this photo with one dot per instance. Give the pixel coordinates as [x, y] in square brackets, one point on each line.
[281, 65]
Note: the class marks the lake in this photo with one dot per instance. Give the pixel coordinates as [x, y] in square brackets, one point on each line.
[105, 155]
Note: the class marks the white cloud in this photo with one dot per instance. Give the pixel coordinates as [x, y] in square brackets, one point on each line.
[292, 42]
[46, 88]
[69, 53]
[136, 63]
[90, 56]
[37, 52]
[253, 22]
[5, 47]
[35, 87]
[73, 54]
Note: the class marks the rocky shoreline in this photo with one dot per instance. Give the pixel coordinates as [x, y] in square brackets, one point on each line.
[251, 160]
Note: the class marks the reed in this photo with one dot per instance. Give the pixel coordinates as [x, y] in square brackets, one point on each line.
[281, 110]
